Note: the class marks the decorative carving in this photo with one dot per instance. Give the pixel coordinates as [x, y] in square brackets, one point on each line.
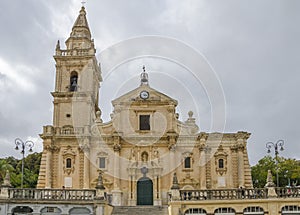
[172, 147]
[84, 145]
[191, 123]
[100, 185]
[270, 182]
[81, 169]
[98, 117]
[52, 148]
[6, 181]
[241, 135]
[117, 145]
[189, 181]
[69, 153]
[175, 184]
[155, 153]
[133, 154]
[172, 137]
[221, 160]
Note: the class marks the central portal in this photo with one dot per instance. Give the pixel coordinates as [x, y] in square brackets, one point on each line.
[145, 191]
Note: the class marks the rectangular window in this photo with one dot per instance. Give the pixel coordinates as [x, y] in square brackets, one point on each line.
[145, 122]
[69, 163]
[102, 163]
[187, 162]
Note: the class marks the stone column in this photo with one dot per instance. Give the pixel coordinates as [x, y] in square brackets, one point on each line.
[241, 138]
[157, 193]
[116, 192]
[131, 196]
[241, 172]
[48, 179]
[202, 161]
[202, 169]
[172, 148]
[86, 165]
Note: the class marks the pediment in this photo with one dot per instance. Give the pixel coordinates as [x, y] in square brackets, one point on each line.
[134, 97]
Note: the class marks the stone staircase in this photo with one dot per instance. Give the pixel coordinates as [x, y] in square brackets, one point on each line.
[140, 210]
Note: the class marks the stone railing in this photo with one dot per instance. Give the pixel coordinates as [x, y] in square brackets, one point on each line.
[223, 194]
[75, 52]
[65, 130]
[288, 192]
[51, 194]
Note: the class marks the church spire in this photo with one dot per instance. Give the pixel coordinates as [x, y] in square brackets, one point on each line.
[81, 24]
[80, 37]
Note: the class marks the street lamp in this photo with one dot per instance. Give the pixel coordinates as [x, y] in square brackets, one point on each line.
[23, 145]
[279, 144]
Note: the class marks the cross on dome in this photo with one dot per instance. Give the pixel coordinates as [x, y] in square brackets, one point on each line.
[144, 77]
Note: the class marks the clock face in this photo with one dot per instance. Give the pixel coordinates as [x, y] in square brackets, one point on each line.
[144, 95]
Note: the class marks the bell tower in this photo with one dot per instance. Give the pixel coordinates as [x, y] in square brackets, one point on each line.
[78, 77]
[66, 143]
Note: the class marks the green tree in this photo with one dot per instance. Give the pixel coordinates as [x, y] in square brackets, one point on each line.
[31, 170]
[288, 171]
[4, 167]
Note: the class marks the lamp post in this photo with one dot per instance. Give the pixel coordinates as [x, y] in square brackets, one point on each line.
[23, 146]
[277, 146]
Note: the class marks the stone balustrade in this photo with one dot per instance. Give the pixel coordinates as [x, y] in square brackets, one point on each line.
[230, 194]
[75, 52]
[63, 131]
[52, 194]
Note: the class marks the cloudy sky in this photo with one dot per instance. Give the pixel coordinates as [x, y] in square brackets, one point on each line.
[252, 48]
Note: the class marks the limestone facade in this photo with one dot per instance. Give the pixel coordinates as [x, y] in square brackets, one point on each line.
[143, 144]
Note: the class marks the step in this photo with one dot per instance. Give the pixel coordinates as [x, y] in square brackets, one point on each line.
[137, 210]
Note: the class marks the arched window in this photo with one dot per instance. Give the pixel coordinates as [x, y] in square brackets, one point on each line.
[22, 210]
[290, 209]
[253, 210]
[68, 163]
[227, 211]
[195, 211]
[73, 81]
[80, 211]
[221, 163]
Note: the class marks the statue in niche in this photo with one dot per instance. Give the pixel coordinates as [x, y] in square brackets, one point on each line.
[144, 156]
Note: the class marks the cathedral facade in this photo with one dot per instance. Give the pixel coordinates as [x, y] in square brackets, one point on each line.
[142, 149]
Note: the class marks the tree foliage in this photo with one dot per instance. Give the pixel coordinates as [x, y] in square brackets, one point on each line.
[14, 166]
[288, 171]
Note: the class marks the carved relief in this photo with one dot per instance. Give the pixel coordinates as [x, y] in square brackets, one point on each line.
[221, 160]
[133, 154]
[155, 154]
[69, 156]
